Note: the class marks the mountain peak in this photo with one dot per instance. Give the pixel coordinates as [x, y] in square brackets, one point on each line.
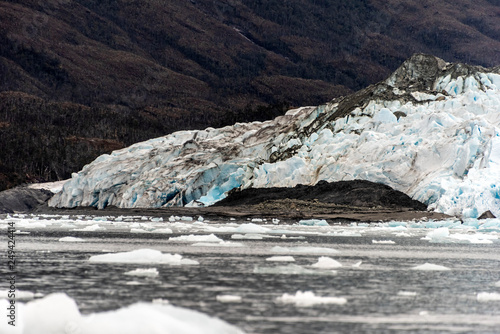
[419, 72]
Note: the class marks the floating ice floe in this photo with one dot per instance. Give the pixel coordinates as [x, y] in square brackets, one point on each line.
[165, 230]
[308, 298]
[143, 272]
[228, 299]
[139, 230]
[21, 295]
[58, 313]
[291, 269]
[325, 262]
[313, 222]
[357, 264]
[280, 259]
[304, 250]
[219, 244]
[71, 239]
[142, 256]
[430, 267]
[488, 297]
[443, 235]
[247, 236]
[90, 228]
[407, 293]
[195, 238]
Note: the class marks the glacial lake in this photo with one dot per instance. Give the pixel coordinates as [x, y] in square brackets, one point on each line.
[267, 277]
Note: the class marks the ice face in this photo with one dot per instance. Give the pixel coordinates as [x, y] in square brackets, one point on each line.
[440, 146]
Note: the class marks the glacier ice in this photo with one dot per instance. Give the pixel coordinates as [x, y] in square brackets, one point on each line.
[291, 269]
[228, 299]
[325, 262]
[143, 272]
[304, 250]
[430, 267]
[488, 296]
[58, 313]
[71, 239]
[308, 298]
[431, 130]
[195, 238]
[142, 256]
[281, 259]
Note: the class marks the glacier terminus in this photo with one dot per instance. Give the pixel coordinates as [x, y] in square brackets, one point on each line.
[430, 130]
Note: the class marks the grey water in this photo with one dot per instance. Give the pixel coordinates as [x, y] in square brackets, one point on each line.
[384, 294]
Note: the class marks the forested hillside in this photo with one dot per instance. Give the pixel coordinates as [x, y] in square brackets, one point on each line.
[80, 78]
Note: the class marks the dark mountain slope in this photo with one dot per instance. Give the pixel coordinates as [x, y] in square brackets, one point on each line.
[161, 66]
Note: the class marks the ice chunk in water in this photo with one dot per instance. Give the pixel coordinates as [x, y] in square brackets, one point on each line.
[146, 272]
[326, 262]
[281, 259]
[58, 313]
[195, 238]
[308, 298]
[142, 256]
[488, 297]
[430, 267]
[304, 250]
[228, 299]
[71, 239]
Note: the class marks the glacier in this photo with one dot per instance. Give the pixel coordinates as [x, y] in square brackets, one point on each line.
[430, 130]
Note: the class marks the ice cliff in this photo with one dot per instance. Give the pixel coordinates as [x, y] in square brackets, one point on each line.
[431, 130]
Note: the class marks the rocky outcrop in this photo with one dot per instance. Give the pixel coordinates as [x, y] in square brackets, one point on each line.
[23, 199]
[356, 193]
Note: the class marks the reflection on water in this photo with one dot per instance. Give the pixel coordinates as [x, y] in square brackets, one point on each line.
[383, 293]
